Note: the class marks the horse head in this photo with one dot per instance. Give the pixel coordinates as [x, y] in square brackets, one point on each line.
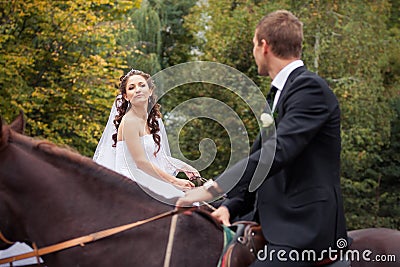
[18, 125]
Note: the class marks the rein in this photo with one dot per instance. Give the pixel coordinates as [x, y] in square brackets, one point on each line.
[81, 241]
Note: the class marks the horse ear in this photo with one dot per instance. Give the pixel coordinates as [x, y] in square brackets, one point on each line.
[1, 128]
[18, 124]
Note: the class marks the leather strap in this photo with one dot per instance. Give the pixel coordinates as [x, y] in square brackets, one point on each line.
[170, 244]
[81, 241]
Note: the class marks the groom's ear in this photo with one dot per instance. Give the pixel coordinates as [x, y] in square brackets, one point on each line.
[265, 45]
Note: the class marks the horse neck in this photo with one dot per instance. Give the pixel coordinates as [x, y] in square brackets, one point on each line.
[51, 189]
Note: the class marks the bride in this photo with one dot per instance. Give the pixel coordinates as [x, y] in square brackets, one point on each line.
[134, 142]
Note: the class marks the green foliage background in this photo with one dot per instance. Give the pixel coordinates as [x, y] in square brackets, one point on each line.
[60, 62]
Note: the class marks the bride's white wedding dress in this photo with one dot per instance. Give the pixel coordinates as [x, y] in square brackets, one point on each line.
[125, 165]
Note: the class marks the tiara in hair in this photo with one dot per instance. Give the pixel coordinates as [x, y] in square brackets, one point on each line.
[132, 71]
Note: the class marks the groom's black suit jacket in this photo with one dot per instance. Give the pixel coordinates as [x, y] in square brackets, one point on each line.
[299, 204]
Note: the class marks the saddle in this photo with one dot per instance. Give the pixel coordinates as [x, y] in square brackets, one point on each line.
[242, 249]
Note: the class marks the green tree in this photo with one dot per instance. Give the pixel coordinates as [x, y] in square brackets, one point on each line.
[356, 76]
[59, 65]
[219, 30]
[145, 46]
[176, 40]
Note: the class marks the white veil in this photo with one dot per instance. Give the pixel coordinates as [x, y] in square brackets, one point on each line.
[105, 151]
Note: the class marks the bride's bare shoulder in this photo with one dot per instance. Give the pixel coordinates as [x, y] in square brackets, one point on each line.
[130, 124]
[130, 118]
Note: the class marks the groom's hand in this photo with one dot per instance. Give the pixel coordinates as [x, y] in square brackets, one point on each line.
[222, 215]
[198, 194]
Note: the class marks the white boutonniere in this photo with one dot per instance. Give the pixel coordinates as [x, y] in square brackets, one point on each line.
[266, 120]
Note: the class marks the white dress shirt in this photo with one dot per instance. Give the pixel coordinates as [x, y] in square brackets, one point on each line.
[281, 78]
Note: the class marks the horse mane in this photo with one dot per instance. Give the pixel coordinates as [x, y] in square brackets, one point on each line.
[65, 155]
[82, 165]
[14, 133]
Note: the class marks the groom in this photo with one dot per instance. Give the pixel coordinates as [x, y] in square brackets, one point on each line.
[299, 202]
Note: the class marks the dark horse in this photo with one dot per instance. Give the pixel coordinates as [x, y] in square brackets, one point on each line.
[375, 247]
[50, 194]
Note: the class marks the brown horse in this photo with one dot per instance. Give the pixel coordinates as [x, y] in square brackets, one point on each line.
[375, 247]
[50, 194]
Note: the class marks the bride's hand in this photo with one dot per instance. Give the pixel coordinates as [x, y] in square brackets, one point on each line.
[192, 174]
[190, 171]
[183, 184]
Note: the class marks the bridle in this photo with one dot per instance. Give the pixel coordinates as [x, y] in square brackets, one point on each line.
[81, 241]
[5, 240]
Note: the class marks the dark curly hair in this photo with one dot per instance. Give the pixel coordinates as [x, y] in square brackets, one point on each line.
[123, 106]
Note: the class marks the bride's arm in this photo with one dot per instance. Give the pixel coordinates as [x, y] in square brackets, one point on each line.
[181, 166]
[171, 164]
[131, 135]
